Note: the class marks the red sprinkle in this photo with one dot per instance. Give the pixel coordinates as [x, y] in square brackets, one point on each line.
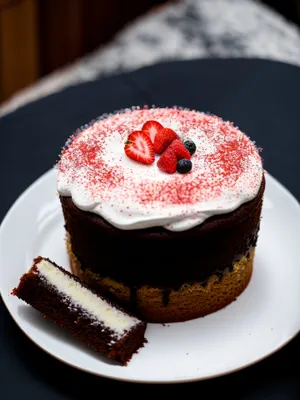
[222, 151]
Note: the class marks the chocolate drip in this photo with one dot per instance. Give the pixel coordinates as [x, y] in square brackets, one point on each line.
[220, 275]
[133, 290]
[166, 296]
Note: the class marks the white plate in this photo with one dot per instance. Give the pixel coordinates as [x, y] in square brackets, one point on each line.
[263, 319]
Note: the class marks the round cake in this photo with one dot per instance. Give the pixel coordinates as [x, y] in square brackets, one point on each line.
[162, 210]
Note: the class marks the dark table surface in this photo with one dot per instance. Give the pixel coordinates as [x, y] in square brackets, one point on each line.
[261, 97]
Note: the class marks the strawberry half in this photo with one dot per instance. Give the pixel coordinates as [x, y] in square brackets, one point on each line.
[181, 152]
[163, 139]
[168, 161]
[152, 128]
[139, 147]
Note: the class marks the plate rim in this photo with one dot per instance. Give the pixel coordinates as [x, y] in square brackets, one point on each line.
[6, 218]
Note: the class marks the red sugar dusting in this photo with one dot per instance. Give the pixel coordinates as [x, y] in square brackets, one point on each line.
[84, 160]
[175, 192]
[229, 158]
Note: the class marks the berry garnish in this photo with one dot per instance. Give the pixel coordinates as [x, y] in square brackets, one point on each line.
[163, 139]
[152, 128]
[179, 149]
[139, 147]
[184, 166]
[190, 146]
[168, 161]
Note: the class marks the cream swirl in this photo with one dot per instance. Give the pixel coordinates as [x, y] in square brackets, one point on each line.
[95, 171]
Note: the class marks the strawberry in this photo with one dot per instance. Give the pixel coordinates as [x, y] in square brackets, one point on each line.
[181, 152]
[152, 128]
[139, 147]
[168, 161]
[163, 139]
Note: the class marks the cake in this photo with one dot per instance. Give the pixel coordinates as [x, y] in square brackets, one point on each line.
[68, 302]
[170, 241]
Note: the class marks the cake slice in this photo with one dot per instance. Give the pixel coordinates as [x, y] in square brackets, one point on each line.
[68, 302]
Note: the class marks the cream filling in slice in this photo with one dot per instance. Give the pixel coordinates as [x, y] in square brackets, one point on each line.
[98, 308]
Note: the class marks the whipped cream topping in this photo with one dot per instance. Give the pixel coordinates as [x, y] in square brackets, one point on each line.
[95, 171]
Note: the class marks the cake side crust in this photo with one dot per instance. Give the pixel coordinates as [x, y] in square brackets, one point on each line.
[92, 240]
[191, 300]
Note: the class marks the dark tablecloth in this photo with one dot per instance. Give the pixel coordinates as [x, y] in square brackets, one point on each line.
[261, 97]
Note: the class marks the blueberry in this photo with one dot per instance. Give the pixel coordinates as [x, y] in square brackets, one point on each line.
[190, 146]
[184, 166]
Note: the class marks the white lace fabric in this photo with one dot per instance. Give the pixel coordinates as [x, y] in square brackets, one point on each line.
[189, 29]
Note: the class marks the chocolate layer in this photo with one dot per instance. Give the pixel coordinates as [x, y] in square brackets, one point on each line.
[159, 257]
[35, 290]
